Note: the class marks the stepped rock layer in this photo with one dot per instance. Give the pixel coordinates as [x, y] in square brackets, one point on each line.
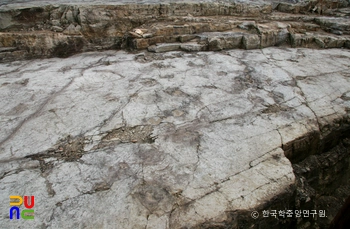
[176, 140]
[32, 29]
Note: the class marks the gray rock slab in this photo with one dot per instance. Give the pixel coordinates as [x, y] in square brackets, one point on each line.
[159, 140]
[251, 41]
[7, 49]
[193, 47]
[165, 47]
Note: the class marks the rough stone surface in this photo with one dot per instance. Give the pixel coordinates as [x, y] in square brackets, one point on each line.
[169, 138]
[251, 41]
[174, 140]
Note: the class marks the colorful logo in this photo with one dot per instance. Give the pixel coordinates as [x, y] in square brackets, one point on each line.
[17, 201]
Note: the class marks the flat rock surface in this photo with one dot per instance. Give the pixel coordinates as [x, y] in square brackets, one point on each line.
[174, 140]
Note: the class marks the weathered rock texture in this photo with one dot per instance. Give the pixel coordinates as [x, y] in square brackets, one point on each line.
[41, 29]
[174, 137]
[176, 140]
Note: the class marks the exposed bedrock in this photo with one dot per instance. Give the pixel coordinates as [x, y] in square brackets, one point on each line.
[177, 139]
[36, 29]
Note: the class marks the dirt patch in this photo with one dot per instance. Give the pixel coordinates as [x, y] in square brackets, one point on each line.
[32, 15]
[67, 149]
[136, 134]
[68, 48]
[274, 109]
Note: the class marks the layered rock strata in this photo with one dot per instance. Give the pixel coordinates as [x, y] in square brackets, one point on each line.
[36, 29]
